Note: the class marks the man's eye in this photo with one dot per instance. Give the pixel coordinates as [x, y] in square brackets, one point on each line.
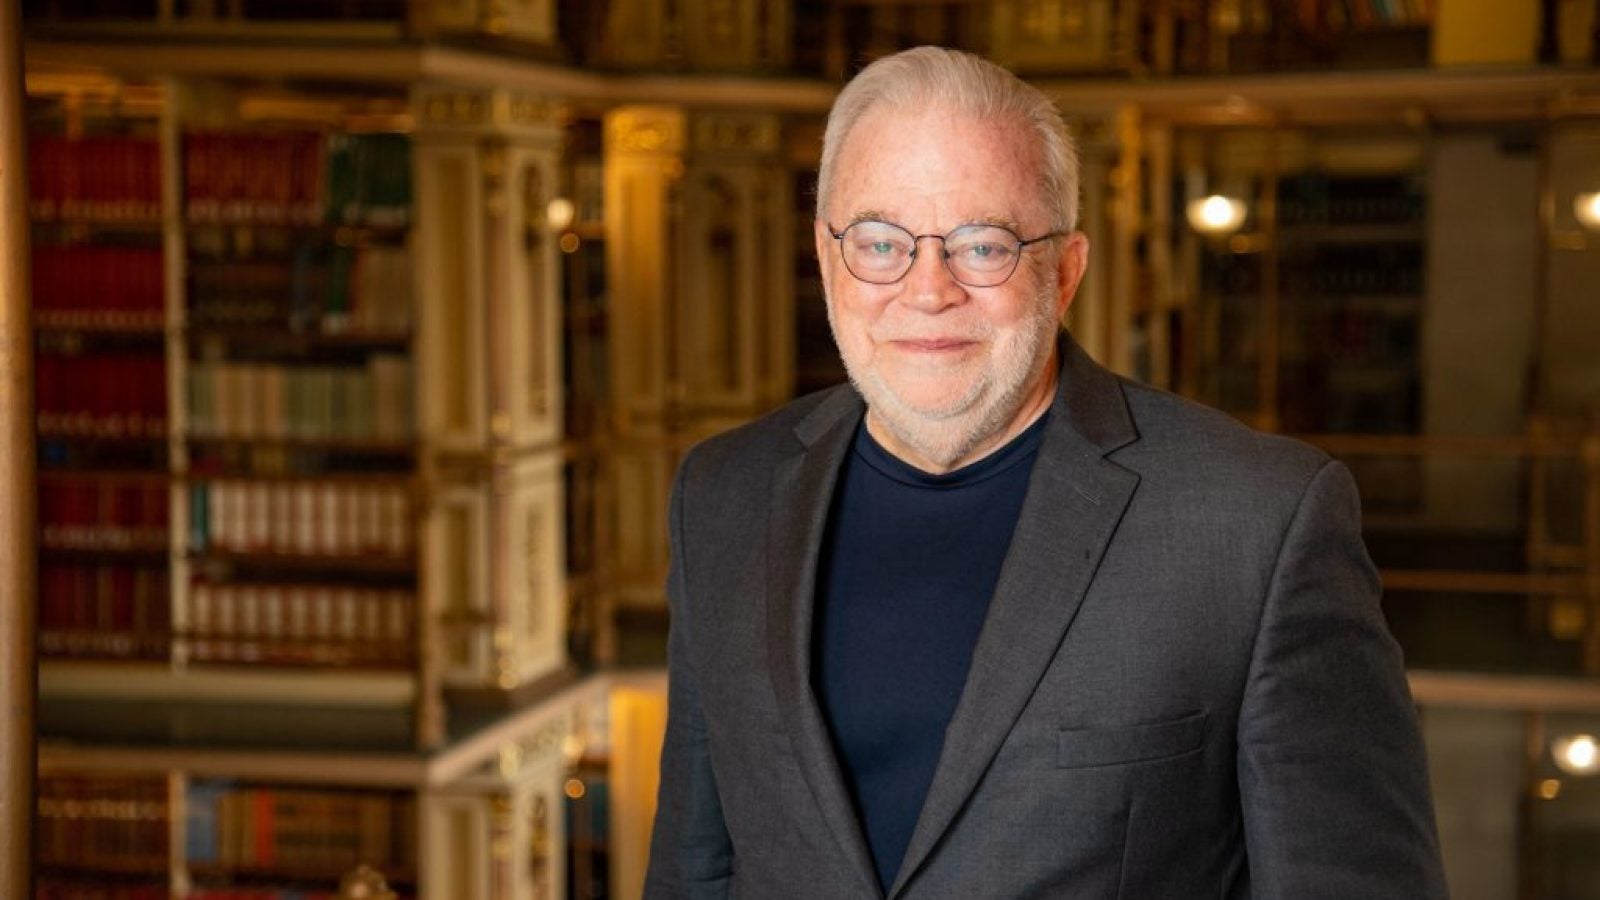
[983, 251]
[882, 247]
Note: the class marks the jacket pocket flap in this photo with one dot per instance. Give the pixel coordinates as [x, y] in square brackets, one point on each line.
[1082, 747]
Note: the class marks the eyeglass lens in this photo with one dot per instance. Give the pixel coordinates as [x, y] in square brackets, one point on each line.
[976, 255]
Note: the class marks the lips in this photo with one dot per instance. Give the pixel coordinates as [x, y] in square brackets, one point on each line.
[933, 345]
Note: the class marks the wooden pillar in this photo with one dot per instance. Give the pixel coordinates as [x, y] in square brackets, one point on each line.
[489, 382]
[700, 259]
[17, 560]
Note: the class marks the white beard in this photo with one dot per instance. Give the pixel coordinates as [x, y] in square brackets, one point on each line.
[951, 431]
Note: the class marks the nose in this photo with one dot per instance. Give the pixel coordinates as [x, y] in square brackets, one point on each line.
[929, 285]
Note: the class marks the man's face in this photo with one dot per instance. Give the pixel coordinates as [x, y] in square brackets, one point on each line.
[947, 369]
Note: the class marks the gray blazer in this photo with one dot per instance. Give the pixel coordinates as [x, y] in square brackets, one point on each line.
[1184, 686]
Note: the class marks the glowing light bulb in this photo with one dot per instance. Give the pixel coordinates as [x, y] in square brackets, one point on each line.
[559, 213]
[1577, 754]
[1215, 214]
[1587, 208]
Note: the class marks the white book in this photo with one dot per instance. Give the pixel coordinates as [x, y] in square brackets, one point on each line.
[248, 623]
[199, 410]
[274, 409]
[396, 519]
[219, 498]
[305, 518]
[322, 619]
[273, 620]
[297, 624]
[258, 499]
[397, 620]
[200, 620]
[226, 626]
[348, 616]
[280, 497]
[330, 530]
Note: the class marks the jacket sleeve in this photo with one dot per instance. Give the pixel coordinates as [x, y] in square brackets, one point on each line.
[691, 856]
[1332, 776]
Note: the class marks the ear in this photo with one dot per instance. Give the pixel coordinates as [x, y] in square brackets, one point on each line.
[1070, 265]
[824, 238]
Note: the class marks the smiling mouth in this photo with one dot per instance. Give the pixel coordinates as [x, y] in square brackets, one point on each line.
[933, 345]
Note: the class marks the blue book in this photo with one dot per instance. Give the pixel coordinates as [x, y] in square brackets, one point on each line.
[200, 838]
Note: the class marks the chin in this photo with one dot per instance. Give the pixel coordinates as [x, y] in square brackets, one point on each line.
[942, 429]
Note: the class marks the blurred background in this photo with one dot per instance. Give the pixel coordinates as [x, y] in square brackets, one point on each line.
[369, 333]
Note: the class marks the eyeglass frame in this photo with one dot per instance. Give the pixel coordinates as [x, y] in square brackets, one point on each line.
[944, 254]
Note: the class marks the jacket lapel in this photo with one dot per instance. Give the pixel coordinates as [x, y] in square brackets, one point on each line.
[1075, 500]
[802, 491]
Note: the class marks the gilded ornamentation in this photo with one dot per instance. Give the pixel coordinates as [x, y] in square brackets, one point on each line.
[488, 108]
[535, 594]
[500, 827]
[505, 658]
[750, 133]
[492, 162]
[456, 108]
[646, 131]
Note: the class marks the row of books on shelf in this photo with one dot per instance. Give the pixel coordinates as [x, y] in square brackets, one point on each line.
[297, 178]
[118, 610]
[339, 289]
[318, 833]
[110, 178]
[102, 824]
[90, 286]
[244, 400]
[1322, 200]
[1355, 270]
[288, 624]
[1351, 335]
[261, 894]
[301, 518]
[1326, 271]
[108, 512]
[1317, 15]
[69, 889]
[1379, 13]
[114, 394]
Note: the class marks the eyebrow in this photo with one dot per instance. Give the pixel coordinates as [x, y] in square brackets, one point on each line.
[874, 215]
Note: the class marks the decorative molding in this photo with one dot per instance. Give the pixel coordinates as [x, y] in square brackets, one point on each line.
[645, 130]
[730, 132]
[458, 109]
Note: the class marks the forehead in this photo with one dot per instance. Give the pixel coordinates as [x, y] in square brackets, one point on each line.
[937, 169]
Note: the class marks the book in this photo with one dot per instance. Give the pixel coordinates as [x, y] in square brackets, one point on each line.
[102, 177]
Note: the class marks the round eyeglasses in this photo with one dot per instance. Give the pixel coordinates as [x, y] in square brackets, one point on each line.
[975, 255]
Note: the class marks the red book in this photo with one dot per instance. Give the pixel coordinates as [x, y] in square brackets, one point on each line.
[41, 160]
[121, 607]
[198, 193]
[150, 179]
[266, 839]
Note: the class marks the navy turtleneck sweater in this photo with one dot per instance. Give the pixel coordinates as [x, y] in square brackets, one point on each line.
[908, 565]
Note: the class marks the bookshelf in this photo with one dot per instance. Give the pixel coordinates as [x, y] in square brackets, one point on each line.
[486, 408]
[300, 434]
[257, 502]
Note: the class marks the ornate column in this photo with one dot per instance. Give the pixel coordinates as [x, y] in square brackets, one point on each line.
[700, 259]
[498, 832]
[489, 387]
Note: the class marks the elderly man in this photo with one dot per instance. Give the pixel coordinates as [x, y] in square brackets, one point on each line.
[992, 622]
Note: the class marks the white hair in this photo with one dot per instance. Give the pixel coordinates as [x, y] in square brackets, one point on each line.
[949, 80]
